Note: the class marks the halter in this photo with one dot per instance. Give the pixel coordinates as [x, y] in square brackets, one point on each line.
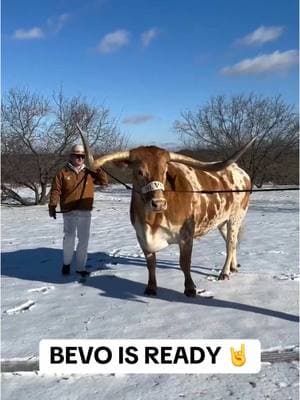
[152, 186]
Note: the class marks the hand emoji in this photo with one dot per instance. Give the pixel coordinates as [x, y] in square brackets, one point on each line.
[238, 358]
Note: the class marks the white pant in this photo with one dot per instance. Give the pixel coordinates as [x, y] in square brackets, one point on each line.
[80, 221]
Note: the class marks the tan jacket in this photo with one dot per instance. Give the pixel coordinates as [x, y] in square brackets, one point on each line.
[75, 191]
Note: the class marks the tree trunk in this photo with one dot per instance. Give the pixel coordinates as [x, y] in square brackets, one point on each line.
[44, 197]
[36, 196]
[11, 194]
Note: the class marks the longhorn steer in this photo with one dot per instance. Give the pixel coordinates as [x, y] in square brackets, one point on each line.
[164, 210]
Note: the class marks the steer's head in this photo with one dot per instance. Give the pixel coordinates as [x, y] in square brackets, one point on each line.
[150, 166]
[149, 169]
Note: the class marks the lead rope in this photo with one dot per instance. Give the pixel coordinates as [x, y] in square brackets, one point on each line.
[116, 179]
[207, 191]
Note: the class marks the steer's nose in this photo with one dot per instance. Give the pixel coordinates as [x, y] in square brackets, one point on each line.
[158, 204]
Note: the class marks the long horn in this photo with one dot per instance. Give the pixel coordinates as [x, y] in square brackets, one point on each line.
[89, 157]
[95, 164]
[210, 166]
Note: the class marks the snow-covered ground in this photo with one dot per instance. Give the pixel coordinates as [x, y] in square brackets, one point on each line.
[260, 302]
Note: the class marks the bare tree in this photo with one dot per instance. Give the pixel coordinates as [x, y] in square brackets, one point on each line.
[103, 132]
[37, 134]
[23, 123]
[223, 125]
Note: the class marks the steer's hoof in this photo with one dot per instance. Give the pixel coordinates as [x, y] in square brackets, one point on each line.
[190, 292]
[150, 291]
[223, 277]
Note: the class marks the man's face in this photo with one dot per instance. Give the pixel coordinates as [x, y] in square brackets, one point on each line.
[77, 160]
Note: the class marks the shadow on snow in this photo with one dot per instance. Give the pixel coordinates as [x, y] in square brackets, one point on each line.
[44, 264]
[117, 287]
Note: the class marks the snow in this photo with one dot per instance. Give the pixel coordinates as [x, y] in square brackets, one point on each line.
[260, 302]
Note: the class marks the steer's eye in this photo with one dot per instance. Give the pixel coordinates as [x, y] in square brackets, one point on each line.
[141, 172]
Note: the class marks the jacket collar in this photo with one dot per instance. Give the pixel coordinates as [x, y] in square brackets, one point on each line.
[77, 171]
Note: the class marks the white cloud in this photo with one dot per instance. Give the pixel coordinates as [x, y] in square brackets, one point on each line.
[114, 41]
[261, 35]
[55, 24]
[137, 119]
[52, 26]
[28, 34]
[277, 61]
[148, 36]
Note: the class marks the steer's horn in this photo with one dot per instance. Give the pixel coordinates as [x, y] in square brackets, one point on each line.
[89, 160]
[95, 164]
[210, 166]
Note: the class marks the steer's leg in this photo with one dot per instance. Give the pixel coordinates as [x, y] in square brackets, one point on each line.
[223, 230]
[234, 266]
[186, 247]
[151, 265]
[233, 227]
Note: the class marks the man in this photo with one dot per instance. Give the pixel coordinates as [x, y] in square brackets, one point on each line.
[73, 188]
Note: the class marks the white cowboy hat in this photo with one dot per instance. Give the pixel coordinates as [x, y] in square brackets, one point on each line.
[77, 149]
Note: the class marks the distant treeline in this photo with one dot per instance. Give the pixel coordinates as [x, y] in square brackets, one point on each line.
[38, 132]
[286, 172]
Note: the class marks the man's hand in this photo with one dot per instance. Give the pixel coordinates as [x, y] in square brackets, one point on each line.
[52, 212]
[102, 178]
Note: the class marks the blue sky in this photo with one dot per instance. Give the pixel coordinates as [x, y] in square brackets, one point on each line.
[148, 60]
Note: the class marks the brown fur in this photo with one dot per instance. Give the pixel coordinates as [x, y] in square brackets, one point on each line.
[188, 215]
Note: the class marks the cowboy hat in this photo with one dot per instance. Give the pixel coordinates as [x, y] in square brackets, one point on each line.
[77, 149]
